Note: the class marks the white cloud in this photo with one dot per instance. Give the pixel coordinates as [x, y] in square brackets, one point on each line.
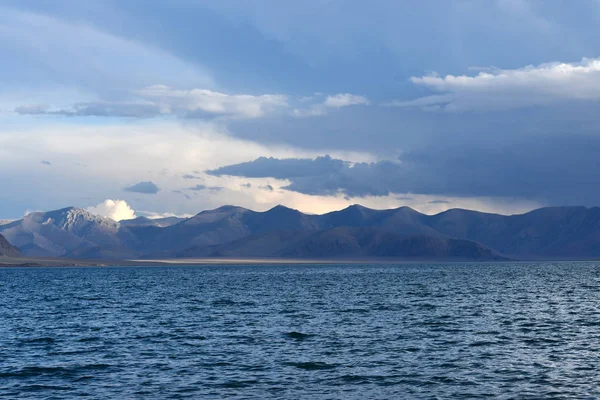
[344, 100]
[337, 101]
[162, 100]
[154, 215]
[316, 110]
[236, 105]
[511, 88]
[114, 209]
[29, 211]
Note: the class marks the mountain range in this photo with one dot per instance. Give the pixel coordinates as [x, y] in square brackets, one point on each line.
[355, 232]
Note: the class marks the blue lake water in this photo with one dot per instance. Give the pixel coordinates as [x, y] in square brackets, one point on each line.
[309, 331]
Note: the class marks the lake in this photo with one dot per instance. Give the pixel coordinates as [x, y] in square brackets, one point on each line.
[506, 330]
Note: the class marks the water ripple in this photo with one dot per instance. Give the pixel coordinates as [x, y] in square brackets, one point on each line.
[313, 331]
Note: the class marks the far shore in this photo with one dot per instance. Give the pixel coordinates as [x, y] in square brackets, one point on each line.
[68, 262]
[35, 262]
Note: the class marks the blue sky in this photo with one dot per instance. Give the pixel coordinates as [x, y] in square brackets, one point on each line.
[490, 105]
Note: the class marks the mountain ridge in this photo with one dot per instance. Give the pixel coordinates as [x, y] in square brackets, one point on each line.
[549, 232]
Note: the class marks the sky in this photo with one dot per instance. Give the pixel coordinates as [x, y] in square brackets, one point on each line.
[157, 108]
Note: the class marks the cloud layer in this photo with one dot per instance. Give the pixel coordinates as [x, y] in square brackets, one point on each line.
[527, 170]
[511, 88]
[337, 101]
[325, 175]
[160, 100]
[206, 101]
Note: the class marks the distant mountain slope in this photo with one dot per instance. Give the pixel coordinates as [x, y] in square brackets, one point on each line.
[213, 227]
[220, 226]
[556, 232]
[69, 232]
[144, 221]
[373, 242]
[7, 249]
[553, 232]
[347, 242]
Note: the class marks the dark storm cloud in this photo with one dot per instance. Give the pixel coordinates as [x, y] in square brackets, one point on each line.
[556, 170]
[282, 168]
[321, 176]
[143, 187]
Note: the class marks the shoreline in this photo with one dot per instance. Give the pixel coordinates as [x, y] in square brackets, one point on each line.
[33, 262]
